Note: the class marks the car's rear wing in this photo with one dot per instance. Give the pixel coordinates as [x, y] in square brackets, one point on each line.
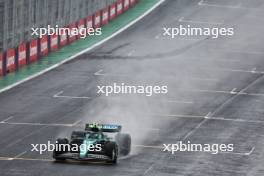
[103, 127]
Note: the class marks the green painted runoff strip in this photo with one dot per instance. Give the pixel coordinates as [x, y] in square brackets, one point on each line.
[79, 45]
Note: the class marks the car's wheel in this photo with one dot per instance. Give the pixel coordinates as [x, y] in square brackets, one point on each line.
[124, 143]
[111, 150]
[56, 153]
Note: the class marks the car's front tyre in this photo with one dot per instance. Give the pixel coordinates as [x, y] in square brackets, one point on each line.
[57, 151]
[111, 150]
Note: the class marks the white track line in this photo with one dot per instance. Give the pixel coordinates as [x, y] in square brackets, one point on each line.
[86, 50]
[251, 151]
[235, 96]
[179, 102]
[24, 137]
[18, 157]
[189, 39]
[207, 91]
[175, 115]
[77, 122]
[20, 154]
[7, 119]
[101, 73]
[199, 22]
[233, 153]
[211, 114]
[204, 79]
[202, 3]
[194, 129]
[149, 169]
[24, 159]
[238, 153]
[42, 159]
[236, 120]
[58, 95]
[148, 146]
[209, 117]
[231, 92]
[37, 124]
[131, 53]
[253, 71]
[152, 147]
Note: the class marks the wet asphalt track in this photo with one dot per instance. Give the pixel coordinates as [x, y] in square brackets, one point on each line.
[221, 79]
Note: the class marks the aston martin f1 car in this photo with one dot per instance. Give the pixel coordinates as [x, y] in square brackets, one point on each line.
[103, 142]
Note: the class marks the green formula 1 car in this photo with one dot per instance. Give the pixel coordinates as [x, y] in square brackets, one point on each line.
[97, 142]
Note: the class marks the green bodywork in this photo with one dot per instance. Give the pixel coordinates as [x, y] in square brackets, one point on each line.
[91, 139]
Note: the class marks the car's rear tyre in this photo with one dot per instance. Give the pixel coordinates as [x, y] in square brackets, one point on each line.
[111, 150]
[124, 143]
[56, 153]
